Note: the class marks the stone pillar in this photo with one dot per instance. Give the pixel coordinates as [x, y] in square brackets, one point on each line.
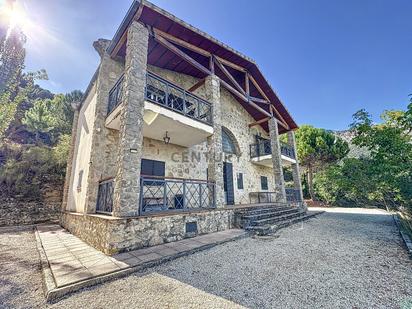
[295, 166]
[69, 166]
[127, 186]
[277, 160]
[214, 142]
[108, 74]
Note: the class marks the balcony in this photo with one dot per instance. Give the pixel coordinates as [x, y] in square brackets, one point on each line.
[168, 107]
[261, 153]
[166, 194]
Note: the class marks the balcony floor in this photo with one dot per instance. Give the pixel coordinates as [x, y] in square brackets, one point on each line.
[182, 130]
[266, 160]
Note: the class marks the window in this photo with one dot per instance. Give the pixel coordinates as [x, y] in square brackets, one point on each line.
[263, 182]
[240, 181]
[228, 144]
[79, 181]
[152, 168]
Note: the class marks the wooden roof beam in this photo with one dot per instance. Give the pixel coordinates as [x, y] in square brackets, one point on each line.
[161, 40]
[197, 85]
[228, 75]
[263, 120]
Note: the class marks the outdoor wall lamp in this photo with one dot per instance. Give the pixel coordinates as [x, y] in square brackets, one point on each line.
[166, 139]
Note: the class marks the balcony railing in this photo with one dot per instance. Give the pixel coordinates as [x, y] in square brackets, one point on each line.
[264, 148]
[166, 94]
[262, 197]
[159, 194]
[105, 196]
[115, 95]
[293, 195]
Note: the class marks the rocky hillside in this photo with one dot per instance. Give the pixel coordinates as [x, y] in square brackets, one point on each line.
[354, 151]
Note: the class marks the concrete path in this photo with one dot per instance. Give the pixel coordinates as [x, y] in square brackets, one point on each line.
[71, 260]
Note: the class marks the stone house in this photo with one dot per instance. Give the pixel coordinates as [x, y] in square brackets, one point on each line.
[175, 133]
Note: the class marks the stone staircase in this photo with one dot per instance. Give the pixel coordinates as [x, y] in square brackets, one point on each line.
[268, 218]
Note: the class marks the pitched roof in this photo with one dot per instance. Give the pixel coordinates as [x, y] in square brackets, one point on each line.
[164, 21]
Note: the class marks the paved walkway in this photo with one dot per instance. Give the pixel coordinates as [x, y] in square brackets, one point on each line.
[71, 260]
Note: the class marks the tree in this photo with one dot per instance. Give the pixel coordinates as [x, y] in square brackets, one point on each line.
[316, 149]
[51, 116]
[390, 146]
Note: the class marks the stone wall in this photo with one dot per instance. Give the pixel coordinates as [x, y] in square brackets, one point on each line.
[112, 235]
[15, 211]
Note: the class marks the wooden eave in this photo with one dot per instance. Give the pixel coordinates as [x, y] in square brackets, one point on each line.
[238, 73]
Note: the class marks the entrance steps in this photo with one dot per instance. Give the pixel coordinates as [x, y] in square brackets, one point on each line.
[268, 218]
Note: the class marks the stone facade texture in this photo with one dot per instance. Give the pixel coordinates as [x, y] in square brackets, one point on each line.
[112, 235]
[214, 142]
[127, 185]
[277, 160]
[297, 184]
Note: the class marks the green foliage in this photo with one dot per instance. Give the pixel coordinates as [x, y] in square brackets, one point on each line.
[385, 177]
[29, 113]
[12, 56]
[318, 146]
[60, 152]
[50, 116]
[316, 149]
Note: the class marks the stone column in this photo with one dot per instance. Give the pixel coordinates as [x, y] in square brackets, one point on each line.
[214, 142]
[108, 74]
[69, 166]
[277, 160]
[127, 186]
[295, 166]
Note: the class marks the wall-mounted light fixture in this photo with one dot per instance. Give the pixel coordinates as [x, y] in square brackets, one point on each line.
[166, 139]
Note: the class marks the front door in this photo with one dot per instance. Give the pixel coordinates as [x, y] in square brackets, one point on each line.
[228, 183]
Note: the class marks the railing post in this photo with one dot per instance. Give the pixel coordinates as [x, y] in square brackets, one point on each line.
[184, 193]
[140, 206]
[200, 195]
[165, 194]
[167, 96]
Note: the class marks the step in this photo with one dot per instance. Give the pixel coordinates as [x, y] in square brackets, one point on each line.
[272, 228]
[276, 219]
[272, 213]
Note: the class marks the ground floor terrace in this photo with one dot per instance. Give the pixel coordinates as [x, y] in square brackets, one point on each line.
[344, 258]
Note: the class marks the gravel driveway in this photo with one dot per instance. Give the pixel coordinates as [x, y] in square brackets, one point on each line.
[345, 258]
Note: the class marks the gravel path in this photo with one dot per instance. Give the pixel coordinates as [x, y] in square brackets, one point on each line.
[345, 258]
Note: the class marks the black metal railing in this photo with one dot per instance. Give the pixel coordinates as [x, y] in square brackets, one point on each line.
[166, 94]
[264, 148]
[293, 195]
[158, 194]
[115, 95]
[105, 196]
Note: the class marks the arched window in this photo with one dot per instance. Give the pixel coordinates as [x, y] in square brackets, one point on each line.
[229, 144]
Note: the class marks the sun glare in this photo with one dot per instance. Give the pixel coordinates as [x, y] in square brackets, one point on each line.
[17, 17]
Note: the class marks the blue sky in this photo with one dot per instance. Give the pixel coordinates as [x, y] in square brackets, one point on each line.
[325, 58]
